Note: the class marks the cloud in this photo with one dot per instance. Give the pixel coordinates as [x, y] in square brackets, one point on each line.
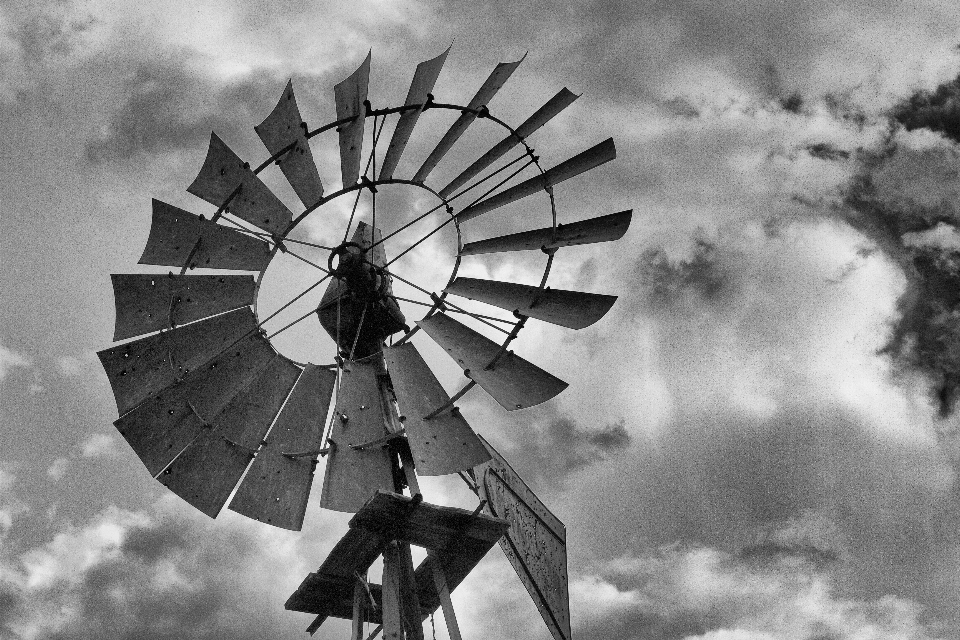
[98, 445]
[10, 359]
[58, 469]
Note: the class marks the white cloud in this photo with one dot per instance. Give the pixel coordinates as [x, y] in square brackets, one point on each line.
[98, 445]
[58, 469]
[10, 359]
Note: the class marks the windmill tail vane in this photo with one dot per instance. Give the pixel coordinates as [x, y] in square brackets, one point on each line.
[221, 418]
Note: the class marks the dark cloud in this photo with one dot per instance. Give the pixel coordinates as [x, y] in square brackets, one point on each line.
[701, 274]
[826, 151]
[771, 552]
[937, 110]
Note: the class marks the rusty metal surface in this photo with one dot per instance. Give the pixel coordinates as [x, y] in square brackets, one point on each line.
[284, 126]
[513, 382]
[580, 163]
[443, 444]
[163, 426]
[150, 302]
[572, 309]
[222, 173]
[602, 229]
[349, 96]
[139, 369]
[535, 543]
[484, 95]
[542, 116]
[174, 233]
[352, 476]
[277, 486]
[423, 80]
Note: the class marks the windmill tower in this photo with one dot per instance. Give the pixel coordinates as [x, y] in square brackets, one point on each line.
[218, 415]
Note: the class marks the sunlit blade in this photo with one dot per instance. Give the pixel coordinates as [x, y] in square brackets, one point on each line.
[423, 80]
[543, 115]
[223, 173]
[174, 233]
[349, 96]
[284, 127]
[535, 544]
[573, 309]
[513, 382]
[139, 369]
[603, 229]
[487, 91]
[353, 475]
[150, 302]
[580, 163]
[443, 444]
[208, 470]
[277, 486]
[160, 428]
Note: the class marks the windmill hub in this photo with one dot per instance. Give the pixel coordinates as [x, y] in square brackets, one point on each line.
[364, 280]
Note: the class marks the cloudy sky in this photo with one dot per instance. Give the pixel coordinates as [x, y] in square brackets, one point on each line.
[759, 441]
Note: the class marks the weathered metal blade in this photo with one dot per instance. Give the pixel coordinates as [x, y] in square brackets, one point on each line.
[487, 91]
[573, 309]
[603, 229]
[513, 382]
[277, 485]
[174, 233]
[150, 302]
[349, 96]
[443, 444]
[535, 544]
[543, 115]
[223, 173]
[423, 80]
[208, 470]
[284, 127]
[580, 163]
[353, 475]
[139, 369]
[163, 426]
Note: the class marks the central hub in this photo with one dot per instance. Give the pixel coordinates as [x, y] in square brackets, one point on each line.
[358, 309]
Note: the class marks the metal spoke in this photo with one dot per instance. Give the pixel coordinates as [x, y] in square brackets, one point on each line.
[448, 303]
[312, 264]
[287, 326]
[309, 244]
[356, 200]
[475, 315]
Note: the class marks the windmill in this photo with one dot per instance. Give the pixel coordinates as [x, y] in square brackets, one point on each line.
[219, 416]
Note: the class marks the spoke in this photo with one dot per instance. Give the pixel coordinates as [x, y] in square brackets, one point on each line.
[356, 200]
[448, 303]
[312, 264]
[356, 338]
[469, 313]
[259, 234]
[300, 295]
[373, 192]
[309, 244]
[418, 242]
[287, 326]
[501, 183]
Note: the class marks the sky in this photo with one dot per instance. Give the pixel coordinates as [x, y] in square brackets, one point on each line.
[760, 440]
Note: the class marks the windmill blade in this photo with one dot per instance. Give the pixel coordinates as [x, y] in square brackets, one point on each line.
[277, 485]
[284, 127]
[423, 80]
[513, 382]
[139, 369]
[150, 302]
[543, 115]
[207, 471]
[160, 428]
[353, 475]
[603, 229]
[572, 309]
[177, 236]
[443, 444]
[349, 96]
[580, 163]
[223, 172]
[487, 91]
[535, 544]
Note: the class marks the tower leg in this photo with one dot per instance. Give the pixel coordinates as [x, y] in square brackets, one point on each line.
[446, 604]
[392, 624]
[359, 608]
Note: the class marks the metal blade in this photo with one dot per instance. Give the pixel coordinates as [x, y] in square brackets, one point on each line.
[535, 544]
[150, 302]
[423, 80]
[284, 127]
[513, 382]
[354, 475]
[223, 172]
[208, 470]
[277, 486]
[580, 163]
[443, 444]
[139, 369]
[603, 229]
[349, 96]
[174, 233]
[160, 428]
[487, 91]
[573, 309]
[543, 115]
